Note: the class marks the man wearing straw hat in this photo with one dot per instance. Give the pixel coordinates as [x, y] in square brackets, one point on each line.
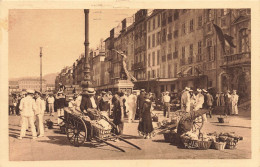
[28, 108]
[88, 101]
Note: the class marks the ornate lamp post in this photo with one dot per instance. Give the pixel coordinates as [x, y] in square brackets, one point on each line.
[86, 83]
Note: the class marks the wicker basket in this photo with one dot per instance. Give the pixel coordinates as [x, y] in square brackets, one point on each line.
[231, 145]
[101, 133]
[188, 143]
[204, 145]
[220, 145]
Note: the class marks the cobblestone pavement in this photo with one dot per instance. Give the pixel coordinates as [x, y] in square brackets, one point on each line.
[55, 146]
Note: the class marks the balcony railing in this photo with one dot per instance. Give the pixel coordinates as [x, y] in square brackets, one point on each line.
[235, 59]
[138, 66]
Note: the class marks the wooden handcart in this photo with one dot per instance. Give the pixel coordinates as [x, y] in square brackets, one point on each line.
[77, 127]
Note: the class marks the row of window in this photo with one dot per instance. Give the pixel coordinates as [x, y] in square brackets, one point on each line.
[154, 23]
[156, 40]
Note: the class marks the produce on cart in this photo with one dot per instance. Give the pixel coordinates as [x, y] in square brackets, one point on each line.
[101, 128]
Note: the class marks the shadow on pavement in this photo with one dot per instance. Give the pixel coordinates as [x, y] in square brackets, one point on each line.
[235, 126]
[131, 137]
[58, 140]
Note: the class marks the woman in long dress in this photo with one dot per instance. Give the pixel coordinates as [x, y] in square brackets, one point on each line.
[145, 127]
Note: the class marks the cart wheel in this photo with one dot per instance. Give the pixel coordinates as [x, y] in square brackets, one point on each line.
[76, 131]
[197, 124]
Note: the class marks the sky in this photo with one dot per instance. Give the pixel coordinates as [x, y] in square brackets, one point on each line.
[59, 32]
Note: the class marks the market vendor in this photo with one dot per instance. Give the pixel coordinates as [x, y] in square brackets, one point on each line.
[186, 122]
[88, 102]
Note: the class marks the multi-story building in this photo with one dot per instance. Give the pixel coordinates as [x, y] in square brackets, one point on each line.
[153, 48]
[99, 69]
[128, 42]
[235, 63]
[170, 49]
[78, 70]
[140, 42]
[32, 83]
[13, 87]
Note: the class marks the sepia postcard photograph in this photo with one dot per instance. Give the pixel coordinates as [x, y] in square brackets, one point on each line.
[130, 83]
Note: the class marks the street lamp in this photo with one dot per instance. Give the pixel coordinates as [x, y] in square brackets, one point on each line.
[86, 83]
[41, 69]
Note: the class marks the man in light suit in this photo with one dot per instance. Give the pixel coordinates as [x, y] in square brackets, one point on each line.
[41, 106]
[28, 108]
[185, 100]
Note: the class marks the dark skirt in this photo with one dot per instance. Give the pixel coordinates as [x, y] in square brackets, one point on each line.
[145, 125]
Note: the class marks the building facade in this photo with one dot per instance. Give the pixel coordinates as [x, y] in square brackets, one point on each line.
[99, 69]
[169, 49]
[32, 83]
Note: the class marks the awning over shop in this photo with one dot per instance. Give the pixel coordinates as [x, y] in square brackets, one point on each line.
[167, 79]
[187, 70]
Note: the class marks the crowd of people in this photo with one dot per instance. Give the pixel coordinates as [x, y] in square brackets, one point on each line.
[32, 106]
[190, 99]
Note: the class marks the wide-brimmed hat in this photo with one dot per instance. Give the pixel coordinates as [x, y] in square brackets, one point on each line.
[204, 90]
[199, 90]
[30, 91]
[103, 92]
[187, 88]
[90, 91]
[142, 90]
[167, 92]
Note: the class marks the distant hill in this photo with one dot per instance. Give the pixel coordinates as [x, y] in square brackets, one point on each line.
[50, 78]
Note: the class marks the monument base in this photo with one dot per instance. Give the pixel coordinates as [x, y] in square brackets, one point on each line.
[121, 86]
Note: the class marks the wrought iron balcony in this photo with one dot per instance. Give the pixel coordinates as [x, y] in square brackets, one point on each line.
[238, 59]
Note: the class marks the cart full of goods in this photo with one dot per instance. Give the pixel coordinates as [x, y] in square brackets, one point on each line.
[194, 139]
